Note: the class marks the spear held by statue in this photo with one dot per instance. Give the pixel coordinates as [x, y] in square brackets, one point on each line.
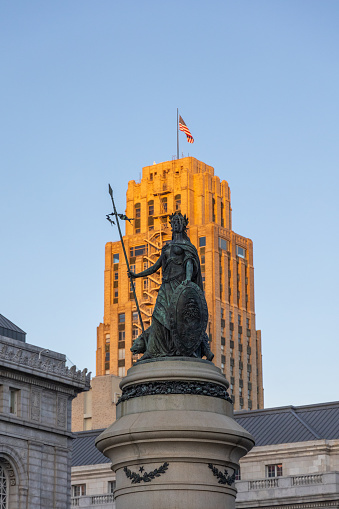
[124, 218]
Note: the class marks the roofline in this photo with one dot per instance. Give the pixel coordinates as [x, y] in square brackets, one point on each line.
[281, 409]
[12, 325]
[88, 432]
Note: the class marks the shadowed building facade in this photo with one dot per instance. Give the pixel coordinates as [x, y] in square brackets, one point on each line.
[189, 186]
[36, 393]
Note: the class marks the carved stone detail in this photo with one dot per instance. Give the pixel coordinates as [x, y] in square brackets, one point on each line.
[35, 404]
[175, 387]
[47, 365]
[9, 470]
[61, 412]
[146, 476]
[223, 478]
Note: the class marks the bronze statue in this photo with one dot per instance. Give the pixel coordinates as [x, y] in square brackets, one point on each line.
[180, 314]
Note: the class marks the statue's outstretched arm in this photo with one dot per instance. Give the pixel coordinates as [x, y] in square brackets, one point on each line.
[150, 270]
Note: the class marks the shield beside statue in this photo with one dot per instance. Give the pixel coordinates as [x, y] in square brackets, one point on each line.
[188, 318]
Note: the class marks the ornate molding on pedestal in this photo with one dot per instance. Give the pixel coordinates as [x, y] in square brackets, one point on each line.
[193, 387]
[146, 476]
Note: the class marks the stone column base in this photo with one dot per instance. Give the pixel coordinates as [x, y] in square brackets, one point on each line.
[175, 443]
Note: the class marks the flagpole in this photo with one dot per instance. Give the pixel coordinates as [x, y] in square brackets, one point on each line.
[124, 250]
[177, 133]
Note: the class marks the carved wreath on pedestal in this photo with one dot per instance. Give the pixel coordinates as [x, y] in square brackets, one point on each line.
[223, 478]
[146, 476]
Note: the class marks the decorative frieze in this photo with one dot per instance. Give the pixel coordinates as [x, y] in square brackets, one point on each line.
[24, 357]
[192, 387]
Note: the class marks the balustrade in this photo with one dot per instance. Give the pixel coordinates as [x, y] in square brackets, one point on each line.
[304, 480]
[102, 499]
[262, 484]
[89, 501]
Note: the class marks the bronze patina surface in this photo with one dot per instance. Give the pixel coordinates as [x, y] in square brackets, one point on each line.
[180, 314]
[188, 318]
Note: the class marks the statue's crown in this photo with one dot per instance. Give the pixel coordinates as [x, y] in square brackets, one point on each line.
[183, 219]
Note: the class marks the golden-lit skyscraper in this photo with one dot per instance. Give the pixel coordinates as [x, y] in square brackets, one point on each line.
[189, 186]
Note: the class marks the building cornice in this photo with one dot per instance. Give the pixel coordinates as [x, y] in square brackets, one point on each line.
[39, 382]
[28, 359]
[33, 425]
[297, 449]
[91, 471]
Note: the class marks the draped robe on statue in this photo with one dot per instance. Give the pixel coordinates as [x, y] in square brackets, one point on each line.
[173, 260]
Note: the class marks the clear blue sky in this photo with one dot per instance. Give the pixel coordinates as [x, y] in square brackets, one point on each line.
[89, 92]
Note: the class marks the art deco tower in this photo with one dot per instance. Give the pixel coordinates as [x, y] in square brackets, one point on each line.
[226, 258]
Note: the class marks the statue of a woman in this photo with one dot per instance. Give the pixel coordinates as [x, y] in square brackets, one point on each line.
[180, 264]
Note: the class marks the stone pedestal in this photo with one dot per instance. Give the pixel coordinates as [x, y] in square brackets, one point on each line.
[175, 443]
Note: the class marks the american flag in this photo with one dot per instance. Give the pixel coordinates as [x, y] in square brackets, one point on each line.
[183, 127]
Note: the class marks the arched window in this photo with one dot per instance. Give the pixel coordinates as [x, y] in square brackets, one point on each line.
[9, 483]
[3, 488]
[177, 200]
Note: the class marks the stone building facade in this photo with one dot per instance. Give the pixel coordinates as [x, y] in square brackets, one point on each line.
[36, 392]
[93, 485]
[295, 464]
[189, 186]
[308, 476]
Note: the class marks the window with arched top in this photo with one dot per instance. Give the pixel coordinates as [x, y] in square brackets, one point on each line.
[8, 485]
